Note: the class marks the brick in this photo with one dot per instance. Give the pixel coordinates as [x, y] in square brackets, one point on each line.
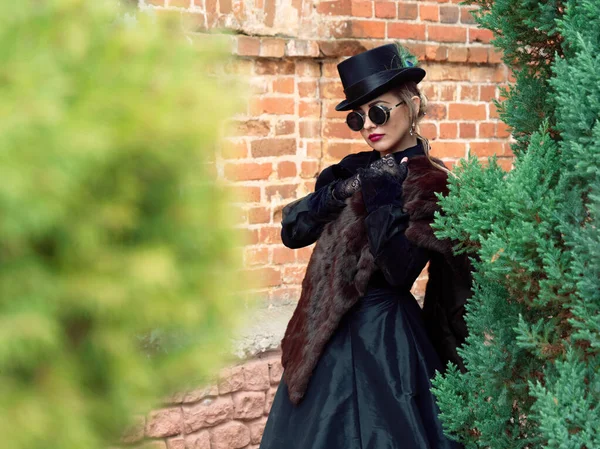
[487, 93]
[234, 150]
[443, 149]
[449, 14]
[330, 70]
[258, 215]
[176, 443]
[265, 277]
[179, 3]
[255, 256]
[436, 52]
[302, 48]
[428, 130]
[487, 130]
[207, 413]
[457, 54]
[198, 440]
[275, 371]
[436, 111]
[283, 255]
[269, 234]
[309, 109]
[231, 379]
[314, 149]
[406, 31]
[273, 147]
[331, 89]
[256, 374]
[286, 169]
[338, 131]
[284, 85]
[449, 72]
[429, 13]
[506, 163]
[440, 33]
[232, 435]
[224, 6]
[307, 89]
[272, 48]
[448, 130]
[362, 9]
[248, 46]
[200, 393]
[335, 8]
[284, 191]
[486, 148]
[337, 29]
[256, 430]
[469, 92]
[248, 404]
[270, 67]
[408, 11]
[385, 10]
[494, 55]
[303, 254]
[502, 130]
[308, 68]
[368, 29]
[247, 171]
[248, 236]
[480, 35]
[156, 444]
[447, 93]
[309, 169]
[251, 128]
[272, 105]
[466, 16]
[478, 54]
[293, 275]
[461, 111]
[467, 130]
[163, 423]
[309, 129]
[285, 127]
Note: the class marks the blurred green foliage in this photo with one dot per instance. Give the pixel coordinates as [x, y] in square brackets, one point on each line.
[113, 231]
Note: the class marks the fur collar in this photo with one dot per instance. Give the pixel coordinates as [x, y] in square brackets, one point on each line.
[340, 268]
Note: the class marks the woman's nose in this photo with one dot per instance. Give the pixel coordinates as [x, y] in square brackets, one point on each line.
[369, 124]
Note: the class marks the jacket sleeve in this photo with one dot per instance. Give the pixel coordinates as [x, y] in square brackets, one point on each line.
[303, 220]
[400, 260]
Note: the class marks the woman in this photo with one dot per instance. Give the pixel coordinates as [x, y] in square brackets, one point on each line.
[359, 353]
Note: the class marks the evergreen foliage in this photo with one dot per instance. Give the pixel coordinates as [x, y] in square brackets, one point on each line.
[113, 232]
[533, 353]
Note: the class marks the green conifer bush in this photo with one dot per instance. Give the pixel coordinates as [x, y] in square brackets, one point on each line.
[533, 353]
[117, 259]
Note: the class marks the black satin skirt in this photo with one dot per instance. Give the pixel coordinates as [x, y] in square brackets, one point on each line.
[371, 386]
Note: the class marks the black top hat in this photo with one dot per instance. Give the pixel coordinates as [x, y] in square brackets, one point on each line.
[372, 73]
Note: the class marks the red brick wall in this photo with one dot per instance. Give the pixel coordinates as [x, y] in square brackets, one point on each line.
[287, 50]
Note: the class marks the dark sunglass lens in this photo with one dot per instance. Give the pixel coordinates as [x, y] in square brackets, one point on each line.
[378, 115]
[355, 121]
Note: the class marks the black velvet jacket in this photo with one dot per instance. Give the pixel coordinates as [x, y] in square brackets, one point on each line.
[355, 248]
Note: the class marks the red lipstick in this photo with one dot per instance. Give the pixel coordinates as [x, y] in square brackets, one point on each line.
[375, 137]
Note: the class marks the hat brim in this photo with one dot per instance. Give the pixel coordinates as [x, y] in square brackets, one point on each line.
[392, 77]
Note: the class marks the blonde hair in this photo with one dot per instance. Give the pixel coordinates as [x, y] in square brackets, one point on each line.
[405, 92]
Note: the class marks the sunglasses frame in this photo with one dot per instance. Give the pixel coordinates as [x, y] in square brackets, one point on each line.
[381, 107]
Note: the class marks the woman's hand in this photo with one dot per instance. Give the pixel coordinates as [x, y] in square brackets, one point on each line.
[381, 182]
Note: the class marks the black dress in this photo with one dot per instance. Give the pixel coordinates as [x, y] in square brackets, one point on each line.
[371, 386]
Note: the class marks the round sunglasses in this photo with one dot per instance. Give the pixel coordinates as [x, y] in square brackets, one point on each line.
[378, 114]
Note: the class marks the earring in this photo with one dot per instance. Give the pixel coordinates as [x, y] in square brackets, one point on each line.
[412, 129]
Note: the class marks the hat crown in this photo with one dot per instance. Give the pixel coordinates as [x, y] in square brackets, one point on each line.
[368, 63]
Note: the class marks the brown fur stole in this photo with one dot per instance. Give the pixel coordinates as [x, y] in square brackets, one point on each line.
[340, 268]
